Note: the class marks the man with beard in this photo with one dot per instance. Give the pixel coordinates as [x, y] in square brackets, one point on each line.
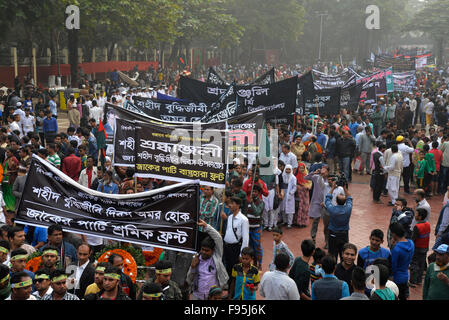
[50, 258]
[111, 286]
[59, 286]
[170, 288]
[98, 279]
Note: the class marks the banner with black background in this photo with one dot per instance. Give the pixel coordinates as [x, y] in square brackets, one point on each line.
[149, 218]
[277, 99]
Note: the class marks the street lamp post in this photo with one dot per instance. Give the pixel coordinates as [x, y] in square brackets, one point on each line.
[321, 14]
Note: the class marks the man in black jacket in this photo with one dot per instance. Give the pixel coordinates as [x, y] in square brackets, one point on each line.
[346, 147]
[84, 271]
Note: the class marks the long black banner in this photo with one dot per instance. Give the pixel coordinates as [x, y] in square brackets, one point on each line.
[148, 218]
[278, 99]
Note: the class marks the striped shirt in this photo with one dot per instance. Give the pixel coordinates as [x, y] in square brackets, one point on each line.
[54, 160]
[67, 296]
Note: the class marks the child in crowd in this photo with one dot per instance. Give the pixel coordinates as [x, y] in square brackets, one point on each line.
[245, 277]
[368, 254]
[316, 273]
[280, 246]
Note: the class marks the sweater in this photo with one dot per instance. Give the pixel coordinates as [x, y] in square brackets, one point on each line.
[434, 288]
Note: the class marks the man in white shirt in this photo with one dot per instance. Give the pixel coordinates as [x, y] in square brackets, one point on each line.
[237, 235]
[413, 104]
[27, 123]
[288, 157]
[277, 285]
[393, 166]
[95, 112]
[428, 108]
[406, 150]
[15, 125]
[42, 283]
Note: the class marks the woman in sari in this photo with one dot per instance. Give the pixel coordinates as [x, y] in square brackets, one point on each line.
[10, 169]
[303, 187]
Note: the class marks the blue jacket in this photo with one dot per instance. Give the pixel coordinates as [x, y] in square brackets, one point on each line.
[50, 125]
[353, 127]
[401, 256]
[339, 215]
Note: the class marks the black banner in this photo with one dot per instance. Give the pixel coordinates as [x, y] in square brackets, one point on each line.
[124, 143]
[181, 154]
[278, 99]
[174, 111]
[404, 82]
[305, 91]
[214, 78]
[149, 218]
[267, 78]
[350, 97]
[398, 64]
[324, 81]
[326, 101]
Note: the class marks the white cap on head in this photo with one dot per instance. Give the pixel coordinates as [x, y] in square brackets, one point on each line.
[19, 104]
[236, 161]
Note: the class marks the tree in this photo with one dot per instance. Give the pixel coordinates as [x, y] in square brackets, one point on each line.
[433, 19]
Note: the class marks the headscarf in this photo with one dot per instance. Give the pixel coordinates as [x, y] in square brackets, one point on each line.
[286, 176]
[300, 176]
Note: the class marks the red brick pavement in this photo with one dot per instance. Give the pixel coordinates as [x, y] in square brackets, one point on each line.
[365, 217]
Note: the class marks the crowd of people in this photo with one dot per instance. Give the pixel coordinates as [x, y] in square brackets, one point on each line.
[404, 137]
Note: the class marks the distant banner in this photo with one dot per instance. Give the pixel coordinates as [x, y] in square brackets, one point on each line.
[152, 218]
[398, 64]
[421, 62]
[404, 82]
[181, 154]
[325, 81]
[326, 101]
[278, 99]
[174, 111]
[214, 78]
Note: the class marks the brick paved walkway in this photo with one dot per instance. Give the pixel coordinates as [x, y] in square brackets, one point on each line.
[365, 217]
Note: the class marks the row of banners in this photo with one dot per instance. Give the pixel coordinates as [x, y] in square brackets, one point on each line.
[191, 143]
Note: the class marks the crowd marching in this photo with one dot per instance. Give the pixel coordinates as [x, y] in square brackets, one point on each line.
[405, 137]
